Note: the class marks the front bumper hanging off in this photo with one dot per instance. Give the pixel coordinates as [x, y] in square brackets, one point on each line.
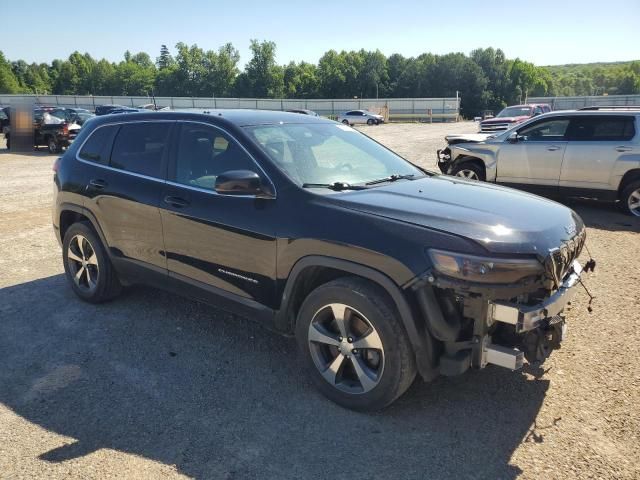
[504, 333]
[542, 324]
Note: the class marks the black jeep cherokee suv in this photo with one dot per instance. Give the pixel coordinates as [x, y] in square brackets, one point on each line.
[379, 268]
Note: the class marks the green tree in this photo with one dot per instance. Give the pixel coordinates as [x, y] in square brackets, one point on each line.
[263, 76]
[8, 81]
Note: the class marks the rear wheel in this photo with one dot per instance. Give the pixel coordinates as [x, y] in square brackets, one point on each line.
[353, 344]
[469, 170]
[630, 199]
[345, 121]
[52, 145]
[87, 266]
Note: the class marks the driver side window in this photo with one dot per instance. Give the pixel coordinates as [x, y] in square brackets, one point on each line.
[203, 153]
[546, 130]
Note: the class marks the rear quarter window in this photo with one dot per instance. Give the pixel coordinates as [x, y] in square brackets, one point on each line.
[98, 146]
[140, 148]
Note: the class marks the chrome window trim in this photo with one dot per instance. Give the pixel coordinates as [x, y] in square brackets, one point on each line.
[166, 181]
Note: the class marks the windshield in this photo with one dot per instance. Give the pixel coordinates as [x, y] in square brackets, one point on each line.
[515, 112]
[327, 153]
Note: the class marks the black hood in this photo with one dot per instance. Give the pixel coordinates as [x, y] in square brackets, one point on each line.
[502, 220]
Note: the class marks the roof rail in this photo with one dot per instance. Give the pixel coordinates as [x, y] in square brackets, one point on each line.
[611, 107]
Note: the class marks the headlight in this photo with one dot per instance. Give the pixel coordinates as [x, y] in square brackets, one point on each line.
[483, 269]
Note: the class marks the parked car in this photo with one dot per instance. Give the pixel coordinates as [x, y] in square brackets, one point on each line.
[56, 134]
[379, 268]
[590, 153]
[152, 106]
[104, 109]
[360, 116]
[303, 111]
[511, 116]
[4, 119]
[127, 110]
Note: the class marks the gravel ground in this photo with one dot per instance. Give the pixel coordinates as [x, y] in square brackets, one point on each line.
[154, 386]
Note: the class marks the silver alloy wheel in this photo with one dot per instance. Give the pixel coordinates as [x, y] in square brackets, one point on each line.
[51, 145]
[346, 348]
[466, 173]
[83, 263]
[634, 202]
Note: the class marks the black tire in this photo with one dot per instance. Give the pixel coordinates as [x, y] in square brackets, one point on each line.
[395, 369]
[52, 145]
[630, 199]
[345, 121]
[371, 121]
[469, 170]
[102, 276]
[8, 140]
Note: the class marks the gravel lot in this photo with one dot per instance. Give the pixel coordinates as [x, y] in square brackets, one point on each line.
[153, 385]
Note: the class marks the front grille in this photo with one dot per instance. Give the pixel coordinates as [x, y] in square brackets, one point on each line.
[558, 262]
[494, 127]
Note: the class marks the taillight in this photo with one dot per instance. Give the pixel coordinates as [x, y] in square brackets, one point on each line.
[65, 129]
[56, 164]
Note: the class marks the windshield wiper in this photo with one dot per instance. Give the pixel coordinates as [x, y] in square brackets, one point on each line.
[390, 178]
[337, 186]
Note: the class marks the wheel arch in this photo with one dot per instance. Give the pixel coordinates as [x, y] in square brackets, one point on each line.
[460, 159]
[630, 176]
[70, 214]
[312, 271]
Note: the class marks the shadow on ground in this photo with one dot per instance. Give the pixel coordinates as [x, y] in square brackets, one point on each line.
[178, 382]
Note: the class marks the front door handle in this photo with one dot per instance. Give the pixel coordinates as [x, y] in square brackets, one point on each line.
[98, 183]
[553, 148]
[176, 201]
[622, 148]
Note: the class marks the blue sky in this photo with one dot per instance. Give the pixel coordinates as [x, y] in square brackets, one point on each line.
[541, 31]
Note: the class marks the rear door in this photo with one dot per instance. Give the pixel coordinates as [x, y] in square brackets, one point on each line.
[125, 195]
[596, 142]
[535, 160]
[220, 243]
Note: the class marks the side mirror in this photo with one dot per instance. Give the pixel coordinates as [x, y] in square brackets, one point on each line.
[242, 182]
[514, 137]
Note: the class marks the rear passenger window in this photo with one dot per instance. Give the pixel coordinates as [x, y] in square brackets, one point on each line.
[98, 145]
[140, 148]
[602, 129]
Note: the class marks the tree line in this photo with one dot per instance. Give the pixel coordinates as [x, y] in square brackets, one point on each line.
[485, 79]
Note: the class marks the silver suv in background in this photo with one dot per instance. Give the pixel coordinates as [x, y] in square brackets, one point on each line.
[593, 153]
[360, 116]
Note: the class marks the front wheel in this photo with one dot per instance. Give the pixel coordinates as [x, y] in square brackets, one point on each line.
[371, 121]
[354, 345]
[630, 199]
[469, 170]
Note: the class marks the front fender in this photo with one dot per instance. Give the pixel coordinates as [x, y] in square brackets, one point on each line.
[483, 153]
[421, 341]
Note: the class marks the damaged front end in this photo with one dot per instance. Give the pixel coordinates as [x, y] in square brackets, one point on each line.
[495, 310]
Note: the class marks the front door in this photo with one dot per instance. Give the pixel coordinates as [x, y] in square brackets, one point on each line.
[535, 159]
[220, 242]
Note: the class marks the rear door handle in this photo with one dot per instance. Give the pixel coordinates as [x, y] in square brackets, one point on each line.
[553, 148]
[98, 183]
[176, 201]
[622, 148]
